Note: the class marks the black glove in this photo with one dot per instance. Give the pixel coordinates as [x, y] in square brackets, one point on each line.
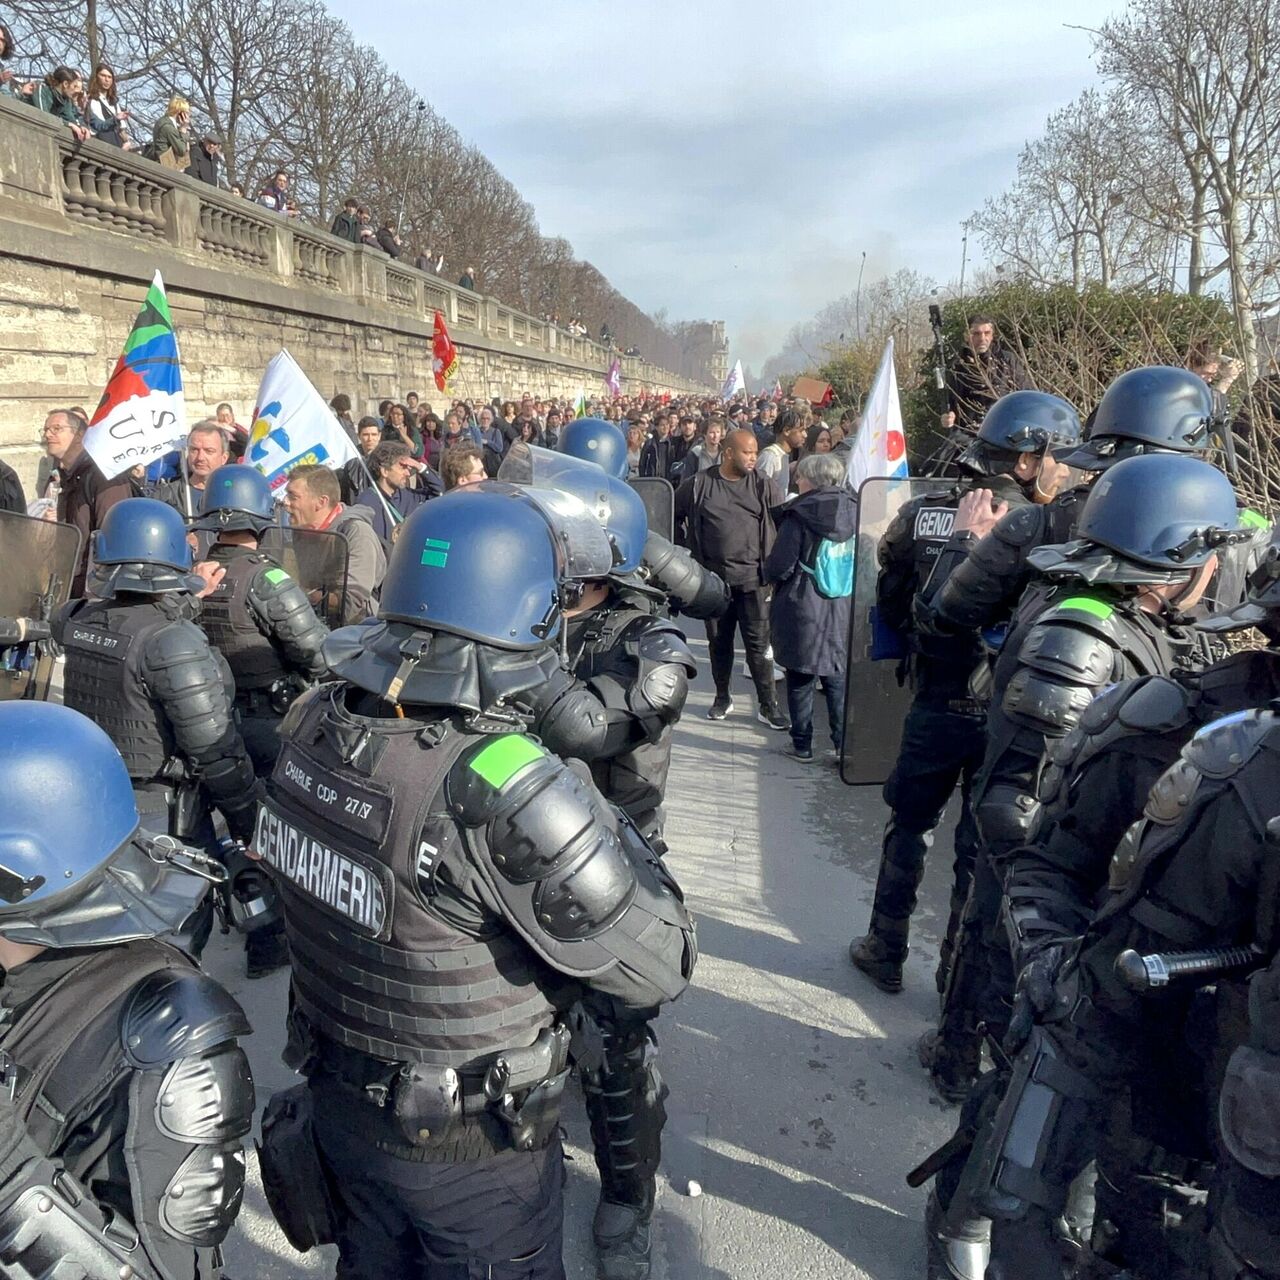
[1036, 994]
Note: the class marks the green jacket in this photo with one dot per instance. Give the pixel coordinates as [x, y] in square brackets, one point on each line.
[166, 136]
[56, 104]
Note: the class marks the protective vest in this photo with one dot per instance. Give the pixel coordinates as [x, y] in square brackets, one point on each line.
[105, 680]
[392, 955]
[634, 780]
[66, 1046]
[230, 625]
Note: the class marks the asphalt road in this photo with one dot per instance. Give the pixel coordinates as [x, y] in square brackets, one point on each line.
[796, 1101]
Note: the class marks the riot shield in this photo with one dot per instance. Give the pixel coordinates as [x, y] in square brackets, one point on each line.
[659, 498]
[875, 704]
[38, 559]
[317, 560]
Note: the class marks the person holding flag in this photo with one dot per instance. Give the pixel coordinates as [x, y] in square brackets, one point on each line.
[141, 414]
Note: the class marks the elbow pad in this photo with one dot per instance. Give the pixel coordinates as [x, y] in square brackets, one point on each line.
[692, 589]
[568, 717]
[286, 615]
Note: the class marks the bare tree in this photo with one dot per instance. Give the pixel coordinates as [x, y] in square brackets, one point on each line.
[1205, 72]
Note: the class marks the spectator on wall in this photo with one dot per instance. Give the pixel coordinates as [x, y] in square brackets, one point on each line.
[206, 156]
[346, 225]
[275, 195]
[9, 86]
[102, 114]
[169, 143]
[468, 279]
[365, 233]
[56, 95]
[388, 241]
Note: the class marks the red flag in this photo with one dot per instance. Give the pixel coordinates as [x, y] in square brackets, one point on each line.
[444, 355]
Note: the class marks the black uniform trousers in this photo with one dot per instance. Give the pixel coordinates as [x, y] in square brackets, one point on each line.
[942, 748]
[748, 613]
[496, 1218]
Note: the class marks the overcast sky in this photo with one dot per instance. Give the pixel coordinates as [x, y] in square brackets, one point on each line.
[734, 160]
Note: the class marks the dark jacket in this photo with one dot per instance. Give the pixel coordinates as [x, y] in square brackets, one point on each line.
[203, 166]
[11, 496]
[689, 500]
[403, 501]
[975, 382]
[467, 282]
[86, 497]
[345, 227]
[387, 242]
[655, 457]
[810, 632]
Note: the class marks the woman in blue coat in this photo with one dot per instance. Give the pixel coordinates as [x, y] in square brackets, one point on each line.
[810, 562]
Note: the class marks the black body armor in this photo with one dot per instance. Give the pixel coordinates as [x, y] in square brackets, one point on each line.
[445, 893]
[124, 1064]
[260, 620]
[145, 674]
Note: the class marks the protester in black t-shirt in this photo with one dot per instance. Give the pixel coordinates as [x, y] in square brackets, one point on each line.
[725, 513]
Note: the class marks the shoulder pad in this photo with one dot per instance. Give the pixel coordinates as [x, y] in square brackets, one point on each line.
[1079, 653]
[1225, 746]
[1084, 610]
[1022, 526]
[178, 1014]
[180, 641]
[1156, 704]
[270, 578]
[482, 773]
[657, 640]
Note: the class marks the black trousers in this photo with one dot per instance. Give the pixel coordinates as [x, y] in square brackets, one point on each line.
[941, 749]
[500, 1218]
[748, 613]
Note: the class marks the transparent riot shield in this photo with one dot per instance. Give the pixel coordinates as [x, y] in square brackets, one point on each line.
[38, 559]
[659, 498]
[317, 560]
[875, 703]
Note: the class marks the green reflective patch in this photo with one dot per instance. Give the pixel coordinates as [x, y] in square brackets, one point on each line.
[1250, 519]
[435, 554]
[276, 576]
[1087, 604]
[504, 757]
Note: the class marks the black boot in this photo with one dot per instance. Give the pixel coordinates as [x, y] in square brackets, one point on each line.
[625, 1106]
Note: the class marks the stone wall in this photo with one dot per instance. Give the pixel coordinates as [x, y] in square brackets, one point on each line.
[83, 227]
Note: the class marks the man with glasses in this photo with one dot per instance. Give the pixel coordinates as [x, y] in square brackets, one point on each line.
[85, 495]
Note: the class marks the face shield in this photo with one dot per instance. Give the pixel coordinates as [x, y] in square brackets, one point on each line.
[584, 547]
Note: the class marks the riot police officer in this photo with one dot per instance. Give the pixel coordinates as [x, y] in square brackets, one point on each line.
[260, 621]
[1197, 871]
[690, 588]
[1148, 537]
[978, 581]
[451, 892]
[123, 1094]
[627, 679]
[257, 616]
[942, 737]
[141, 669]
[1094, 787]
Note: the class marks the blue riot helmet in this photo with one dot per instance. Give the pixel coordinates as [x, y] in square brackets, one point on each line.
[142, 547]
[598, 441]
[488, 562]
[236, 497]
[615, 504]
[1021, 422]
[1150, 518]
[75, 868]
[1158, 409]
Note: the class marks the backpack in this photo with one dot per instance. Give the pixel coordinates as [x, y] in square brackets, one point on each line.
[832, 568]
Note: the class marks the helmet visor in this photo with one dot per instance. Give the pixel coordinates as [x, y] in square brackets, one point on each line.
[584, 546]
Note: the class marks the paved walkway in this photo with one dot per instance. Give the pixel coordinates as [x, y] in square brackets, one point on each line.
[796, 1100]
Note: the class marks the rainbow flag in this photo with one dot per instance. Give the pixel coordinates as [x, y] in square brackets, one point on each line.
[142, 413]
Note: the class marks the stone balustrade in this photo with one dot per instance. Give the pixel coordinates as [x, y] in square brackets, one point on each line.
[84, 227]
[105, 187]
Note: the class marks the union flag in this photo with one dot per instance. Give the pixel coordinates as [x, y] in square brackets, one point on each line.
[444, 355]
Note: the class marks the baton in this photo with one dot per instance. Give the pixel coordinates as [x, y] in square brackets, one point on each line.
[1148, 973]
